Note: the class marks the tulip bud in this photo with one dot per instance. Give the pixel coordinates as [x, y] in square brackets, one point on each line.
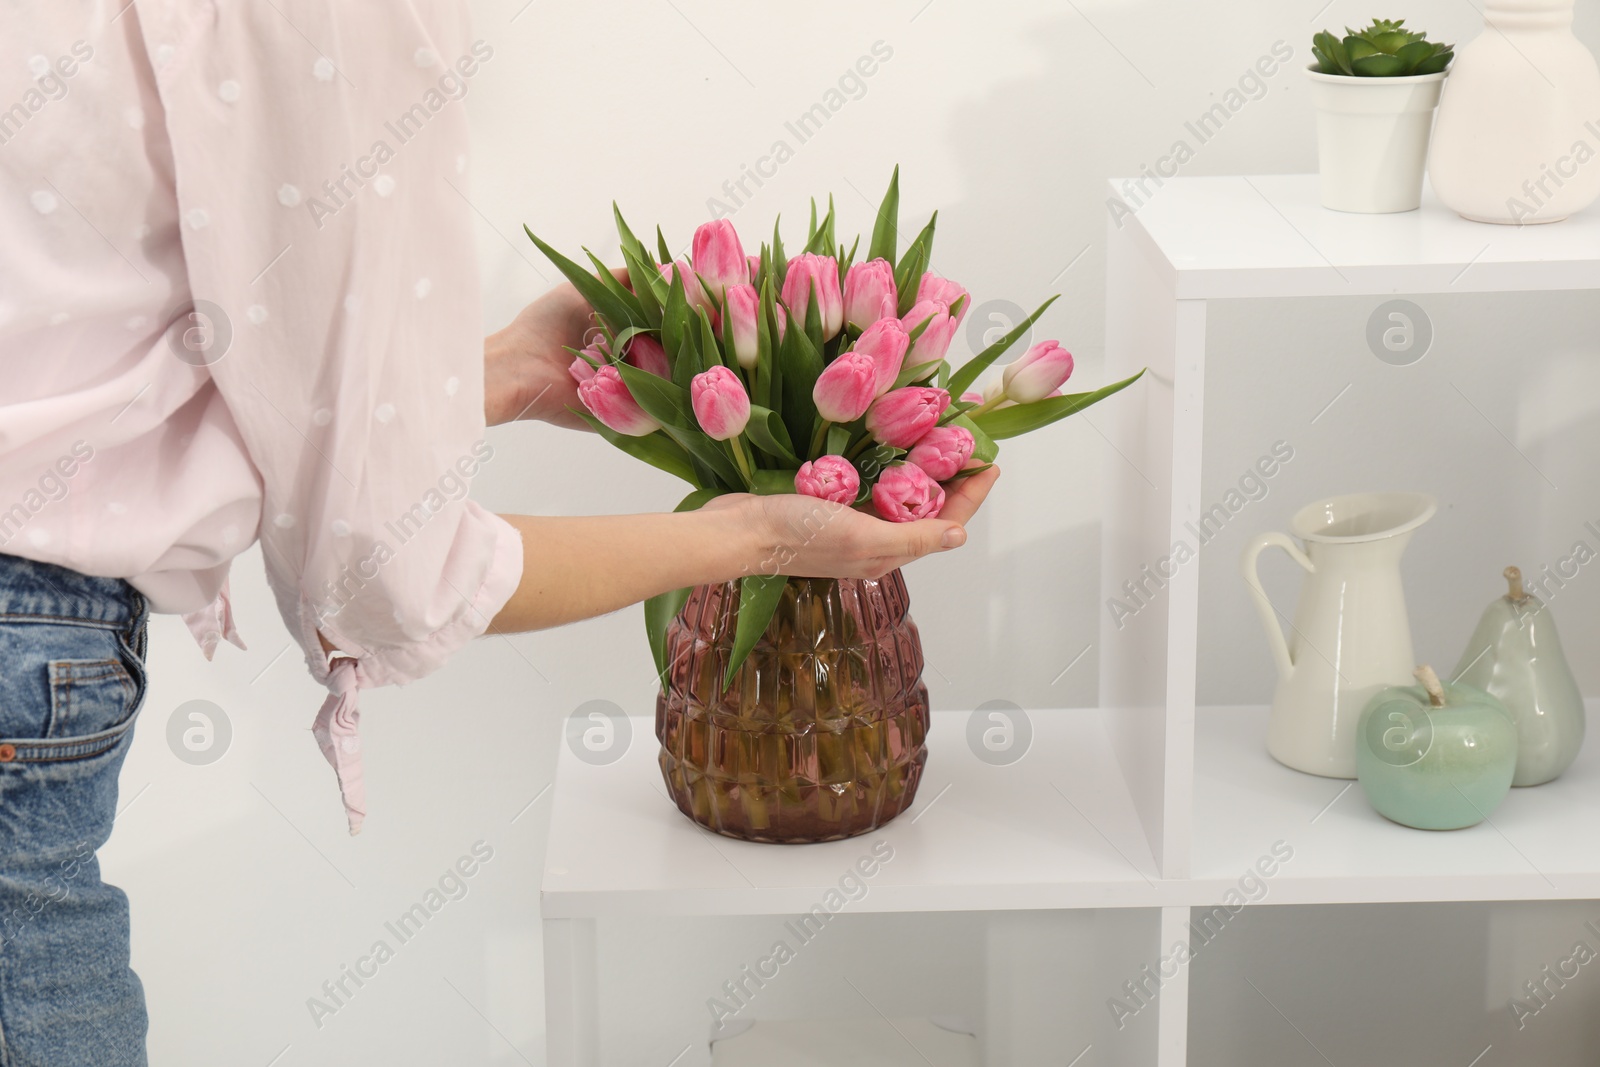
[869, 292]
[721, 406]
[942, 451]
[743, 307]
[905, 493]
[754, 263]
[583, 365]
[719, 258]
[972, 398]
[946, 292]
[646, 353]
[693, 291]
[886, 342]
[809, 271]
[845, 388]
[828, 478]
[934, 341]
[1042, 369]
[608, 399]
[900, 417]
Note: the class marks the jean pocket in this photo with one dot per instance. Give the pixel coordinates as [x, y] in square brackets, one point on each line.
[88, 696]
[92, 704]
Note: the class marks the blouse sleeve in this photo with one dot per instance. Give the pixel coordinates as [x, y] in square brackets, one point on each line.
[320, 157]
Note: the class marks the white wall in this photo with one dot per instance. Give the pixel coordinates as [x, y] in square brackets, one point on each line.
[1006, 117]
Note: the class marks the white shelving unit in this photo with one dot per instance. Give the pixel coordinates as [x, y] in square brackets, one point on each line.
[1144, 807]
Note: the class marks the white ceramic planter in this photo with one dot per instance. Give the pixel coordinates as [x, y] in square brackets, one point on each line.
[1372, 139]
[1519, 124]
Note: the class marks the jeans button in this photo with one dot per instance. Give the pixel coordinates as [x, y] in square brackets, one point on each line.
[8, 753]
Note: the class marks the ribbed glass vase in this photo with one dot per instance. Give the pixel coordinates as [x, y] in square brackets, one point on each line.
[821, 734]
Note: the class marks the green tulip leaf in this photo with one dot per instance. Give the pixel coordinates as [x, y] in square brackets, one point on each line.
[660, 610]
[962, 379]
[655, 449]
[759, 596]
[918, 373]
[1021, 418]
[617, 312]
[923, 241]
[661, 246]
[766, 430]
[885, 229]
[780, 262]
[774, 482]
[838, 440]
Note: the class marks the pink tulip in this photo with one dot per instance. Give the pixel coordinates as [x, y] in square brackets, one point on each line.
[972, 398]
[886, 342]
[828, 478]
[608, 400]
[1042, 369]
[905, 493]
[944, 291]
[719, 258]
[900, 417]
[693, 291]
[869, 292]
[744, 307]
[646, 353]
[942, 451]
[583, 365]
[934, 341]
[721, 405]
[846, 387]
[754, 263]
[809, 271]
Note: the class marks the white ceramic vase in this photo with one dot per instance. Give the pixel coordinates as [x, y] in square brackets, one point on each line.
[1350, 636]
[1372, 139]
[1518, 136]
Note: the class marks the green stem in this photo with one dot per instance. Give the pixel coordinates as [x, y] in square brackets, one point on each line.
[741, 459]
[818, 438]
[859, 447]
[987, 405]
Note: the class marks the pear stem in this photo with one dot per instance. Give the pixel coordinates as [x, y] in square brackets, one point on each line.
[1430, 682]
[1514, 580]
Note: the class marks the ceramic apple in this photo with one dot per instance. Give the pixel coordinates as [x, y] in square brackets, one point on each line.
[1435, 756]
[1515, 656]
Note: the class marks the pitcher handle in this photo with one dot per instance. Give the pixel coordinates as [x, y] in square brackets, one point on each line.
[1269, 617]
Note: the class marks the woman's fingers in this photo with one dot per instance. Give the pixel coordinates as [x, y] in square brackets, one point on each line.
[962, 501]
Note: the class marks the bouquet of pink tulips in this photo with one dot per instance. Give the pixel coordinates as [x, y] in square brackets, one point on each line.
[818, 374]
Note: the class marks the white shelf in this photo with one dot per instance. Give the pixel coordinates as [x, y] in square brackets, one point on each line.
[1054, 830]
[1540, 844]
[1219, 238]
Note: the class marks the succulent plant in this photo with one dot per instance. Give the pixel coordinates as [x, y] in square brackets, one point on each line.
[1383, 50]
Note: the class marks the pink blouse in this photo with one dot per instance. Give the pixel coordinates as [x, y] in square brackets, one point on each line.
[238, 302]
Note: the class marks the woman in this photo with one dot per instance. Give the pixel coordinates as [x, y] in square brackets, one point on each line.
[237, 303]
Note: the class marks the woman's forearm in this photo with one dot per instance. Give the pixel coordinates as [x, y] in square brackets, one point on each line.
[574, 568]
[578, 567]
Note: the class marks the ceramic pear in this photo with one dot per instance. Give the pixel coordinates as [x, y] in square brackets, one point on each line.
[1435, 757]
[1515, 656]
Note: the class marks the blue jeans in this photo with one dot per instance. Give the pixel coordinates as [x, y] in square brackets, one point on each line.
[71, 682]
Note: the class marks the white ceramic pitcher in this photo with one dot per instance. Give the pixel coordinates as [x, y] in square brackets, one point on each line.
[1350, 635]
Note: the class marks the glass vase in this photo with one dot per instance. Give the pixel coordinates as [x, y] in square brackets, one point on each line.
[821, 734]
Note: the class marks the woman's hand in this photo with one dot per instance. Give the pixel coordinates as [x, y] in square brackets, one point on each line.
[525, 366]
[813, 538]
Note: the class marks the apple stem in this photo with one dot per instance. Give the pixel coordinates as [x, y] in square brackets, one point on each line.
[1514, 580]
[1430, 682]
